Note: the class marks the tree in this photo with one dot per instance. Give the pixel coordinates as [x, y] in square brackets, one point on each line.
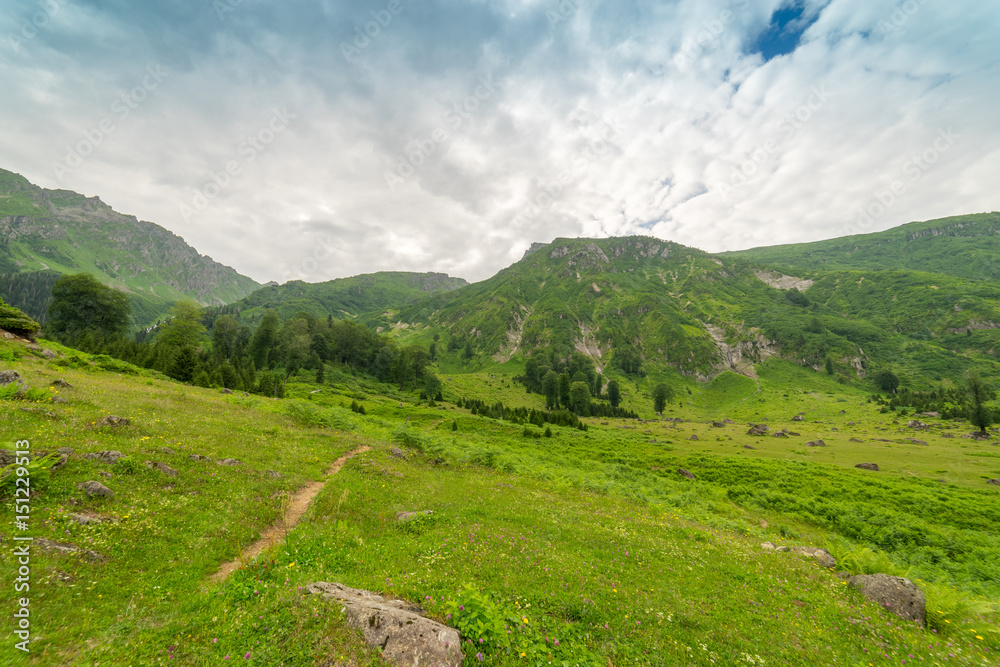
[614, 393]
[467, 352]
[550, 387]
[979, 393]
[82, 303]
[579, 398]
[886, 380]
[829, 366]
[564, 386]
[264, 338]
[432, 386]
[184, 328]
[184, 365]
[662, 394]
[224, 331]
[14, 321]
[295, 345]
[598, 385]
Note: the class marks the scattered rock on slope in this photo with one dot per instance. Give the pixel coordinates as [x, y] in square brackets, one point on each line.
[114, 420]
[821, 556]
[106, 456]
[993, 481]
[816, 443]
[93, 488]
[397, 453]
[686, 473]
[867, 466]
[406, 638]
[758, 429]
[898, 595]
[162, 467]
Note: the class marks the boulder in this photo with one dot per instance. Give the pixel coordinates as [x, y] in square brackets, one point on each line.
[758, 429]
[226, 390]
[198, 457]
[718, 424]
[781, 434]
[114, 420]
[693, 437]
[106, 456]
[867, 466]
[9, 377]
[230, 462]
[916, 423]
[897, 594]
[7, 457]
[49, 354]
[916, 442]
[66, 549]
[60, 462]
[821, 556]
[167, 450]
[855, 440]
[686, 473]
[749, 447]
[403, 517]
[405, 637]
[272, 474]
[68, 451]
[767, 546]
[798, 418]
[62, 384]
[162, 467]
[93, 489]
[816, 443]
[993, 481]
[397, 453]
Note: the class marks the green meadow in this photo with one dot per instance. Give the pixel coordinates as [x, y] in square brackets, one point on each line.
[585, 547]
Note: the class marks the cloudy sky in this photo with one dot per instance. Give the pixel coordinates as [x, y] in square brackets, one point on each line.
[319, 139]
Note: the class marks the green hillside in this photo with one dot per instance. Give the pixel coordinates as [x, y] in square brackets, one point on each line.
[966, 245]
[373, 297]
[48, 232]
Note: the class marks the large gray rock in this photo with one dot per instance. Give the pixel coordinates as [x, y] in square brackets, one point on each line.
[407, 638]
[9, 377]
[114, 420]
[898, 595]
[107, 456]
[821, 556]
[993, 481]
[684, 472]
[758, 429]
[66, 549]
[397, 453]
[7, 457]
[816, 443]
[867, 466]
[93, 488]
[230, 462]
[162, 467]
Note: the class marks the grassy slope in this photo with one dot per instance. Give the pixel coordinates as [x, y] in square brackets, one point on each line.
[971, 251]
[588, 536]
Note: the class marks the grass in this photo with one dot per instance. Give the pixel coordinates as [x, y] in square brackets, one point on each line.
[589, 538]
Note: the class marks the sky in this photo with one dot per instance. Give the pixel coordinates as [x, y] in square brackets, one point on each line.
[316, 140]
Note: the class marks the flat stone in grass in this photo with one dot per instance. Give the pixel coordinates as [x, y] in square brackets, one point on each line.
[821, 556]
[403, 517]
[9, 377]
[230, 462]
[406, 638]
[749, 447]
[867, 466]
[816, 443]
[397, 453]
[68, 451]
[61, 384]
[686, 473]
[106, 456]
[693, 437]
[114, 420]
[758, 429]
[896, 594]
[67, 549]
[162, 467]
[993, 481]
[96, 489]
[199, 457]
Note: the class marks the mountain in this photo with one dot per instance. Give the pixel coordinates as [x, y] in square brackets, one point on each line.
[46, 233]
[640, 304]
[373, 298]
[967, 246]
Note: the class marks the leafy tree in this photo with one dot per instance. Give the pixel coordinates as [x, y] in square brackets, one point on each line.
[14, 321]
[467, 352]
[264, 338]
[579, 398]
[828, 365]
[614, 394]
[564, 386]
[224, 336]
[294, 345]
[886, 380]
[184, 328]
[454, 424]
[432, 386]
[550, 387]
[598, 385]
[82, 303]
[662, 394]
[979, 393]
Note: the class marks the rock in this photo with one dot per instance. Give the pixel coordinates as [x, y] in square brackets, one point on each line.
[749, 447]
[398, 453]
[9, 377]
[114, 420]
[59, 399]
[226, 391]
[49, 354]
[272, 474]
[693, 437]
[199, 457]
[897, 594]
[167, 450]
[68, 451]
[781, 434]
[686, 473]
[782, 549]
[798, 418]
[767, 546]
[87, 519]
[66, 549]
[993, 481]
[230, 462]
[60, 463]
[855, 440]
[61, 384]
[7, 457]
[105, 475]
[93, 488]
[916, 442]
[764, 524]
[34, 347]
[843, 412]
[816, 443]
[405, 637]
[402, 517]
[916, 423]
[728, 421]
[106, 456]
[821, 556]
[162, 467]
[851, 423]
[718, 424]
[758, 429]
[867, 466]
[930, 414]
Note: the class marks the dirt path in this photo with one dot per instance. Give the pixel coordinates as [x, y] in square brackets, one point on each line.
[297, 506]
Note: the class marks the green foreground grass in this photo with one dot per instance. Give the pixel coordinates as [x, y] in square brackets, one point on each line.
[589, 539]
